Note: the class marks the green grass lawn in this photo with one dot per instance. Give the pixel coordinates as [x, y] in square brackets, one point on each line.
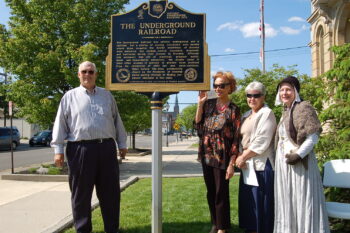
[185, 208]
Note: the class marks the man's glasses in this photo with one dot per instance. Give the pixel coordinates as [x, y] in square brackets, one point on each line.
[255, 96]
[221, 86]
[87, 71]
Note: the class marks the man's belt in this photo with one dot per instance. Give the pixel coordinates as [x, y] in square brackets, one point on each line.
[92, 141]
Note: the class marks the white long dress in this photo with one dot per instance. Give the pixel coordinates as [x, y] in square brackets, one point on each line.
[299, 197]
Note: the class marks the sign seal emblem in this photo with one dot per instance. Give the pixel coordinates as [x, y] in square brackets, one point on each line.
[190, 74]
[123, 75]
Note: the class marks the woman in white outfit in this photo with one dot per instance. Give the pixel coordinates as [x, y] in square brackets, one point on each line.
[255, 201]
[299, 197]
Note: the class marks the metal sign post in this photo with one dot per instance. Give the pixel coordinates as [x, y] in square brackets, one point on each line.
[156, 106]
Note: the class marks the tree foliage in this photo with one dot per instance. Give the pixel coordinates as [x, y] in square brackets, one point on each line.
[2, 95]
[270, 79]
[186, 117]
[43, 46]
[135, 111]
[335, 143]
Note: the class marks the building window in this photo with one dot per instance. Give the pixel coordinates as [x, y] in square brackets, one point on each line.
[320, 51]
[347, 30]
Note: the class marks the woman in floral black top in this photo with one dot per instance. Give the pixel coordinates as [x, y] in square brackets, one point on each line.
[218, 122]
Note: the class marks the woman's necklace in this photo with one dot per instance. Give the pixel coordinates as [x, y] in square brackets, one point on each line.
[221, 107]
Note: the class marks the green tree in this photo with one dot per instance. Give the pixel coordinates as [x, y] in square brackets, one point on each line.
[135, 111]
[186, 117]
[3, 102]
[271, 79]
[335, 143]
[43, 46]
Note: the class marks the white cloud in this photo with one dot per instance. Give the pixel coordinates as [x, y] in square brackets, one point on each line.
[230, 26]
[270, 31]
[248, 29]
[296, 19]
[252, 30]
[292, 31]
[229, 50]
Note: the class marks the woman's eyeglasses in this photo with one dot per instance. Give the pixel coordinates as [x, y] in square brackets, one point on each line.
[87, 71]
[255, 96]
[221, 86]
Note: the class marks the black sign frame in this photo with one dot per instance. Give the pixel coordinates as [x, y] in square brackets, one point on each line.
[158, 47]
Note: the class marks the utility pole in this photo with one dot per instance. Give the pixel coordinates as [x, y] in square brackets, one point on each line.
[262, 29]
[5, 105]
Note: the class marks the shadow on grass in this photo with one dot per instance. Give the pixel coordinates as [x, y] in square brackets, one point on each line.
[180, 152]
[179, 227]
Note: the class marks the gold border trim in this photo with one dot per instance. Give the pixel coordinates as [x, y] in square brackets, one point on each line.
[154, 16]
[156, 102]
[160, 87]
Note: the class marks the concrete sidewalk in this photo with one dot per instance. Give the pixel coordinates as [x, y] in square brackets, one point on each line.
[38, 207]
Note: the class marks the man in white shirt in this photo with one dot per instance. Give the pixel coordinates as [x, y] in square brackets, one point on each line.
[89, 120]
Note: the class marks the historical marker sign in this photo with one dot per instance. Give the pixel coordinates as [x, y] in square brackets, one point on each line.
[158, 47]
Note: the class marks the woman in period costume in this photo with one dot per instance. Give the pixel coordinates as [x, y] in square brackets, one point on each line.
[299, 197]
[256, 211]
[217, 122]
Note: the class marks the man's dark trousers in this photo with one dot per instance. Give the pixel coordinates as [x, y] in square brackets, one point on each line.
[94, 163]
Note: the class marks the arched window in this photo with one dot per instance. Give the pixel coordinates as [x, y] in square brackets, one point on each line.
[347, 30]
[320, 51]
[342, 24]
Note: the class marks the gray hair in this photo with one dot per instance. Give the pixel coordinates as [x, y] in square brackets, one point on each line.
[88, 63]
[256, 86]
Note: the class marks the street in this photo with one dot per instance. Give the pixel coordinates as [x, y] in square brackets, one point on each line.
[25, 155]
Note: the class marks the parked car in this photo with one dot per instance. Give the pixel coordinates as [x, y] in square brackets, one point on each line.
[5, 137]
[41, 138]
[169, 133]
[184, 134]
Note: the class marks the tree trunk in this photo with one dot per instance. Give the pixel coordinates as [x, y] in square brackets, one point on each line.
[133, 140]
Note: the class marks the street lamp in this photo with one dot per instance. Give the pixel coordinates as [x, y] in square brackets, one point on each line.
[167, 106]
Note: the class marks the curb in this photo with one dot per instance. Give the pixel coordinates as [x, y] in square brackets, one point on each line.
[45, 178]
[145, 153]
[36, 178]
[67, 222]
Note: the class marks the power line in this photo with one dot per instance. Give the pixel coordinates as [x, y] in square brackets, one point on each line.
[267, 51]
[184, 103]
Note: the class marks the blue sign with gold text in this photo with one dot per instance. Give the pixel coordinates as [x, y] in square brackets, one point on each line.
[158, 47]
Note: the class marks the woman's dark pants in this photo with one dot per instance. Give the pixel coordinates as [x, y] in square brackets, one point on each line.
[218, 196]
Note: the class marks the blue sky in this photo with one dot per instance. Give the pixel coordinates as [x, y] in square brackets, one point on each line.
[232, 28]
